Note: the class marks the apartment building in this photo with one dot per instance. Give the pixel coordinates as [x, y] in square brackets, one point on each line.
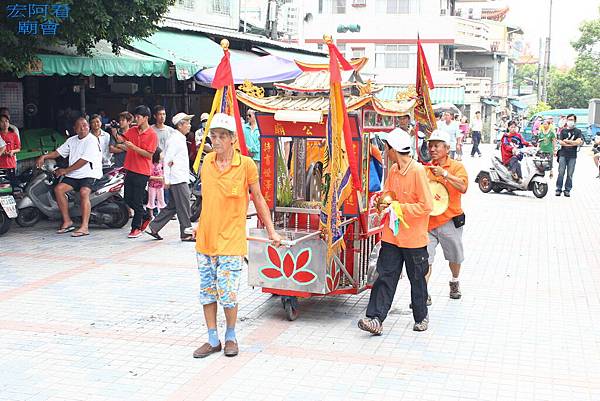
[217, 13]
[467, 45]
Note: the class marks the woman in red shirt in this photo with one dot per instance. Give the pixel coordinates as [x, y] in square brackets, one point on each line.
[8, 161]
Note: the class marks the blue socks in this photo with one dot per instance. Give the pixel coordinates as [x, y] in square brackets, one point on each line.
[230, 334]
[213, 337]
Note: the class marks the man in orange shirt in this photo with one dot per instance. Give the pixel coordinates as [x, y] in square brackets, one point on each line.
[407, 179]
[446, 229]
[221, 236]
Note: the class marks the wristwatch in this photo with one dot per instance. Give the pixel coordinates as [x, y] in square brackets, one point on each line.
[445, 174]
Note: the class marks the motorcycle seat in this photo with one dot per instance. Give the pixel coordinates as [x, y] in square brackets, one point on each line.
[101, 182]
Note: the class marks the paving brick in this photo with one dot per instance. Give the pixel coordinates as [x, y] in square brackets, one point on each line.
[107, 318]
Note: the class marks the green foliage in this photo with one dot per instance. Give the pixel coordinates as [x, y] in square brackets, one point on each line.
[539, 107]
[285, 190]
[116, 21]
[575, 87]
[529, 71]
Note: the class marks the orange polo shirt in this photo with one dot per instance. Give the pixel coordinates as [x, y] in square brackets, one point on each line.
[454, 205]
[412, 191]
[222, 226]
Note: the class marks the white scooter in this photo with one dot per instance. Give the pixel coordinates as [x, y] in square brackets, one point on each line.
[108, 207]
[498, 177]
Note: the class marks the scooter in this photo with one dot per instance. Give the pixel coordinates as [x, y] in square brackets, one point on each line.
[499, 178]
[108, 206]
[195, 184]
[8, 206]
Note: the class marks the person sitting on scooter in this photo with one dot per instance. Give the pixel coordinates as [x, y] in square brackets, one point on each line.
[85, 167]
[512, 141]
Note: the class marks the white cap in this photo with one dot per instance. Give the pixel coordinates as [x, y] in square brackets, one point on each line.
[179, 117]
[397, 139]
[440, 135]
[204, 116]
[222, 120]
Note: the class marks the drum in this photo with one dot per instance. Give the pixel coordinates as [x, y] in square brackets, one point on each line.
[441, 198]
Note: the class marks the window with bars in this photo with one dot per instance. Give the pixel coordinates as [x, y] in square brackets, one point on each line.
[342, 48]
[222, 7]
[395, 56]
[359, 3]
[332, 6]
[398, 6]
[187, 4]
[358, 52]
[339, 7]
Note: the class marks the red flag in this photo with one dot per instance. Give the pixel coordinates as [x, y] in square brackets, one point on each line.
[224, 79]
[335, 61]
[423, 66]
[423, 110]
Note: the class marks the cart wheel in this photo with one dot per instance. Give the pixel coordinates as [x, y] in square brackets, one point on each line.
[290, 305]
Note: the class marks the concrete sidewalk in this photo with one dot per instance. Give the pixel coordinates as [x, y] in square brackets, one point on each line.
[107, 318]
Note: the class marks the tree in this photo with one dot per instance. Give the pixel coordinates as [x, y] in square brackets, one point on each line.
[575, 87]
[526, 74]
[88, 21]
[539, 107]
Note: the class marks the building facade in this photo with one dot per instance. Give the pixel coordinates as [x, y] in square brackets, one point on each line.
[467, 45]
[217, 13]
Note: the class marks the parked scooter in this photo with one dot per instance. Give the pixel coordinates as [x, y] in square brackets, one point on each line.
[195, 196]
[499, 178]
[8, 206]
[108, 206]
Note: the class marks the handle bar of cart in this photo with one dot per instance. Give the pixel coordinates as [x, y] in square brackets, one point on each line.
[289, 244]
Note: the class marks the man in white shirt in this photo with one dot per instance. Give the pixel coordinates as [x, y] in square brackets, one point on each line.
[163, 132]
[476, 128]
[85, 167]
[103, 139]
[176, 172]
[451, 127]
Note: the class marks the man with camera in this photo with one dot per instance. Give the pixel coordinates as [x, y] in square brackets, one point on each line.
[140, 142]
[124, 123]
[446, 229]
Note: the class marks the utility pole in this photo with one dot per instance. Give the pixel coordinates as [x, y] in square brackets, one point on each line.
[272, 19]
[540, 70]
[547, 57]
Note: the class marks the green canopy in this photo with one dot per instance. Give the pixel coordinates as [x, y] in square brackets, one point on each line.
[65, 61]
[189, 52]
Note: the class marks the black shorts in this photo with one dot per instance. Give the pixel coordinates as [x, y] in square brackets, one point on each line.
[78, 183]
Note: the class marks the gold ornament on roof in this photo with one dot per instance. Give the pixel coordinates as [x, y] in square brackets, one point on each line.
[251, 90]
[366, 89]
[407, 94]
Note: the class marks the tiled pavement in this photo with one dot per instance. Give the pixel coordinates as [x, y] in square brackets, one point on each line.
[106, 318]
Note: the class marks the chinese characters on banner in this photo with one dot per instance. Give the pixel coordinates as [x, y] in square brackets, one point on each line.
[35, 19]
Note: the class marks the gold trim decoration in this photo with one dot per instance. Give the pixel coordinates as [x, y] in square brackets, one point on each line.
[252, 90]
[366, 89]
[407, 94]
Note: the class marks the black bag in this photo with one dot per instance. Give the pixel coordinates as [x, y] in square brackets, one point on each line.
[459, 220]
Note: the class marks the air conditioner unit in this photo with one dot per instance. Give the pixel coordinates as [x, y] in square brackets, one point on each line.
[128, 88]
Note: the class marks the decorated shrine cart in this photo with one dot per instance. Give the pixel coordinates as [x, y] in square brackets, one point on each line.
[293, 128]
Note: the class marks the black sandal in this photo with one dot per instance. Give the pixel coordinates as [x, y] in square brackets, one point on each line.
[155, 235]
[189, 238]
